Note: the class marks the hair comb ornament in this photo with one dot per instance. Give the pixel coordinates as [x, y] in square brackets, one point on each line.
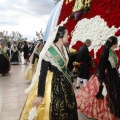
[109, 40]
[61, 34]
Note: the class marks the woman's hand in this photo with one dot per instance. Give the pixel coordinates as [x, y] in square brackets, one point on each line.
[37, 101]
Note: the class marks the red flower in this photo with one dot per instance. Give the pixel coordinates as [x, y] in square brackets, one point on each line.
[107, 9]
[92, 53]
[117, 33]
[77, 45]
[118, 55]
[99, 52]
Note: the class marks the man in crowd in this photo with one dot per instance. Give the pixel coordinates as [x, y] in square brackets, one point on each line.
[84, 59]
[31, 48]
[26, 52]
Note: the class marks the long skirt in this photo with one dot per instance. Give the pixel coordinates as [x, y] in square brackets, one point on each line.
[92, 107]
[58, 103]
[15, 59]
[4, 64]
[30, 71]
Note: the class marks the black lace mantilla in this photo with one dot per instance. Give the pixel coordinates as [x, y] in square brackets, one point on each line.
[63, 103]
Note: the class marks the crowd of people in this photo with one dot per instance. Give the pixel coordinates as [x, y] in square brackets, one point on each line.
[11, 54]
[52, 90]
[4, 59]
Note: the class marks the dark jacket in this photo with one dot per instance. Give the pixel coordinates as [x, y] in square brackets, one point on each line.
[83, 55]
[25, 49]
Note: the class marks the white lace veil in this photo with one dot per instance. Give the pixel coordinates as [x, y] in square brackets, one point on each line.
[49, 42]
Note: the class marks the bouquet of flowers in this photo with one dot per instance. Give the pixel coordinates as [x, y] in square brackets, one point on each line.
[75, 69]
[72, 50]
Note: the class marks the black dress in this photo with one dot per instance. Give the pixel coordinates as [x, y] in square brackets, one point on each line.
[4, 63]
[63, 103]
[14, 58]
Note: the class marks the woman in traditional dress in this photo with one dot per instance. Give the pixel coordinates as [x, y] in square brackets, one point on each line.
[100, 97]
[54, 95]
[19, 47]
[15, 57]
[33, 62]
[4, 59]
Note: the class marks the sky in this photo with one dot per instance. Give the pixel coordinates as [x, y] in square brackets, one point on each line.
[25, 16]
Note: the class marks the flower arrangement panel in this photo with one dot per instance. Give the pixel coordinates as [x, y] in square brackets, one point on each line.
[108, 10]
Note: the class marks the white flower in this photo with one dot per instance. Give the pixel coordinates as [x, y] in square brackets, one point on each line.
[95, 29]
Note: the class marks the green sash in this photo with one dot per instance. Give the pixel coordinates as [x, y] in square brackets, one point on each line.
[37, 51]
[60, 62]
[3, 53]
[113, 54]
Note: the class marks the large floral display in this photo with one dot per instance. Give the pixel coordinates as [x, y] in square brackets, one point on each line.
[98, 20]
